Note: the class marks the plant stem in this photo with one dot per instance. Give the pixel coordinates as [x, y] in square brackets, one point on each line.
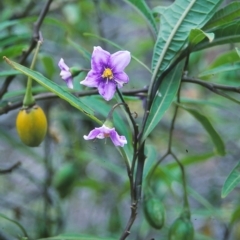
[28, 98]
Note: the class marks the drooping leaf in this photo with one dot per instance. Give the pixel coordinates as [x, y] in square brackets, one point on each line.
[197, 35]
[232, 181]
[220, 69]
[143, 8]
[216, 139]
[176, 24]
[227, 33]
[53, 87]
[224, 15]
[164, 97]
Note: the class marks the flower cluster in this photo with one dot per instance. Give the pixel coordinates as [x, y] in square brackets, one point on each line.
[106, 74]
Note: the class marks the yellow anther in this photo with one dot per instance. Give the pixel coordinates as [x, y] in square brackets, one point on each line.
[107, 73]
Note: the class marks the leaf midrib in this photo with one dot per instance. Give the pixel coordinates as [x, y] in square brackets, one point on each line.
[168, 42]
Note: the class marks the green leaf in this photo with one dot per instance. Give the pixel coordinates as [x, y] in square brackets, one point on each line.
[12, 51]
[48, 64]
[164, 97]
[159, 10]
[143, 8]
[225, 15]
[232, 181]
[197, 35]
[216, 139]
[80, 49]
[220, 69]
[227, 33]
[191, 160]
[16, 223]
[176, 24]
[151, 154]
[226, 57]
[53, 87]
[238, 52]
[118, 47]
[7, 24]
[8, 73]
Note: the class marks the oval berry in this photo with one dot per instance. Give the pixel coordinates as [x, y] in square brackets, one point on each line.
[181, 229]
[154, 212]
[31, 124]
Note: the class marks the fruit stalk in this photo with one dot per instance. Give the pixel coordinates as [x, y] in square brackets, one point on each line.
[28, 98]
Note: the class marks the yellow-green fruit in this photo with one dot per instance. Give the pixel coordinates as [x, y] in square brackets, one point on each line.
[31, 125]
[181, 229]
[154, 212]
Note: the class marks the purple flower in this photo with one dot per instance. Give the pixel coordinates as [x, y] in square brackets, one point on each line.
[107, 71]
[65, 73]
[103, 132]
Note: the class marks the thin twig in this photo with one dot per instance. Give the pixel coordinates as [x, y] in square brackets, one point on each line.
[10, 169]
[211, 86]
[49, 95]
[130, 221]
[35, 37]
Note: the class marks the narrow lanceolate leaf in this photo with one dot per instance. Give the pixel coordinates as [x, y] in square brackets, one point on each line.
[227, 33]
[216, 139]
[176, 24]
[143, 8]
[164, 97]
[232, 181]
[197, 35]
[53, 87]
[224, 15]
[223, 68]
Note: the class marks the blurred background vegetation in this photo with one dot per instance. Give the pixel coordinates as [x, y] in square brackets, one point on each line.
[68, 185]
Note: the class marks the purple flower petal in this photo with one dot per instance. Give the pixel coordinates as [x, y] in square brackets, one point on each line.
[65, 73]
[92, 79]
[62, 65]
[103, 132]
[117, 140]
[69, 82]
[93, 134]
[99, 60]
[121, 78]
[107, 89]
[119, 60]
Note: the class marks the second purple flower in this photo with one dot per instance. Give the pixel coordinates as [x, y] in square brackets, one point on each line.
[107, 71]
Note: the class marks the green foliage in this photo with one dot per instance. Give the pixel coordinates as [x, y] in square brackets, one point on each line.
[163, 98]
[185, 49]
[232, 181]
[218, 142]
